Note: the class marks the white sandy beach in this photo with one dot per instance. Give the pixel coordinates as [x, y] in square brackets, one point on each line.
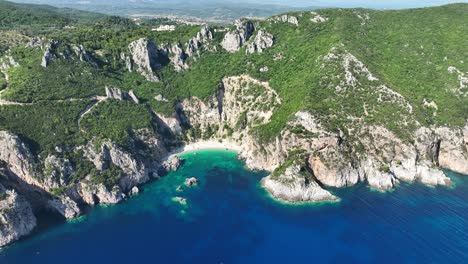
[207, 144]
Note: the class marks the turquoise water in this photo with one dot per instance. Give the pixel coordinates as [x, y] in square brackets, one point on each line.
[228, 218]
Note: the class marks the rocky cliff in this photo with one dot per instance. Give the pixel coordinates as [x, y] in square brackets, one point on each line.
[16, 216]
[86, 122]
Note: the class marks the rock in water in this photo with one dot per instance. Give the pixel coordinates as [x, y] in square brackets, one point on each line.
[134, 191]
[293, 186]
[234, 40]
[66, 207]
[145, 55]
[16, 217]
[191, 182]
[172, 164]
[180, 200]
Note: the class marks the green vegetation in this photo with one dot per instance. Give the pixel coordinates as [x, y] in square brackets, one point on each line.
[40, 18]
[409, 51]
[109, 177]
[44, 125]
[116, 120]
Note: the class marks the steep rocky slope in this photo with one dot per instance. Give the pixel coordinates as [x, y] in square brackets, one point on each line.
[320, 99]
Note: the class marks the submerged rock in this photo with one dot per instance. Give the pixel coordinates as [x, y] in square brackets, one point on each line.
[180, 200]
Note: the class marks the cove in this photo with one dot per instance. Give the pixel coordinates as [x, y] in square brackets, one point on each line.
[229, 218]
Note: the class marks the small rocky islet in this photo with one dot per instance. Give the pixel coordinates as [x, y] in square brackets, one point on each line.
[331, 119]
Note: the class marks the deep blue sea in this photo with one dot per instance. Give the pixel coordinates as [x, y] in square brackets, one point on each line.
[229, 218]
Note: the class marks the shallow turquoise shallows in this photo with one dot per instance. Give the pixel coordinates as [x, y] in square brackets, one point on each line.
[228, 218]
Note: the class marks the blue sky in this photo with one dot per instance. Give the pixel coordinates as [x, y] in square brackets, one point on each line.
[358, 3]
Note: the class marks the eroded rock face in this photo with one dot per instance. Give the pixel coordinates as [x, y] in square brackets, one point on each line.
[17, 157]
[317, 18]
[82, 54]
[287, 19]
[241, 102]
[57, 172]
[16, 217]
[236, 39]
[293, 186]
[178, 57]
[65, 206]
[453, 153]
[262, 41]
[94, 194]
[145, 55]
[8, 62]
[172, 164]
[49, 54]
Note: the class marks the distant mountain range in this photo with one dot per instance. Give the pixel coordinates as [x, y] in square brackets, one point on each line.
[207, 10]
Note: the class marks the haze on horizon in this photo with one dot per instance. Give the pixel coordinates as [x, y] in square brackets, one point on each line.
[378, 4]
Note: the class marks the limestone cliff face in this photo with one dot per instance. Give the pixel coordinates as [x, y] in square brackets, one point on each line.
[263, 40]
[16, 155]
[240, 102]
[48, 183]
[179, 53]
[236, 39]
[453, 152]
[16, 216]
[145, 56]
[371, 154]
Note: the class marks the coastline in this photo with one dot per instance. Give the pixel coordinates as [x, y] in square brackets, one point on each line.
[206, 145]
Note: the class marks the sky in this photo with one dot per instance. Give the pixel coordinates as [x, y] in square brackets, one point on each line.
[379, 4]
[359, 3]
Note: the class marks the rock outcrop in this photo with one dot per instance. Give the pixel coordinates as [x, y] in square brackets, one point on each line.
[145, 55]
[57, 171]
[295, 186]
[192, 181]
[114, 93]
[236, 39]
[172, 164]
[453, 149]
[17, 157]
[287, 19]
[16, 217]
[317, 18]
[178, 57]
[65, 206]
[49, 53]
[262, 41]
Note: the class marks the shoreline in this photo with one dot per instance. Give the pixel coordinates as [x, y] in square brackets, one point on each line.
[205, 145]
